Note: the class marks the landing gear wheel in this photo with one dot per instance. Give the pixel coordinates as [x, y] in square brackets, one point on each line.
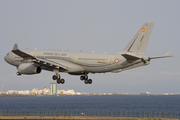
[89, 81]
[54, 77]
[86, 81]
[85, 77]
[58, 81]
[62, 81]
[82, 78]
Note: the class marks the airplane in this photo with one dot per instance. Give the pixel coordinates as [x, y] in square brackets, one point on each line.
[29, 61]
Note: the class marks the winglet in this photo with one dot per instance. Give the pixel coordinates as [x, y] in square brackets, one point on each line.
[15, 47]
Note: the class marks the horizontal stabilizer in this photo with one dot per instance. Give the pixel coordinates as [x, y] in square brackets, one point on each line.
[161, 56]
[156, 57]
[130, 56]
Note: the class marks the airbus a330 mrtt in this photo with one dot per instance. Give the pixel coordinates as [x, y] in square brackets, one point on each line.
[30, 61]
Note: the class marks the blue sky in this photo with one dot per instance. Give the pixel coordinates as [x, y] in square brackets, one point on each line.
[97, 25]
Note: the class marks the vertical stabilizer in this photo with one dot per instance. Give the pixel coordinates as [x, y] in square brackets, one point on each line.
[138, 44]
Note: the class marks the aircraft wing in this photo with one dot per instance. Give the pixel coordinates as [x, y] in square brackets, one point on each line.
[48, 63]
[38, 61]
[20, 53]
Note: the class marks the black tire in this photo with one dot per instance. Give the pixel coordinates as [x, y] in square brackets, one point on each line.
[54, 77]
[85, 77]
[86, 81]
[58, 81]
[82, 78]
[62, 81]
[90, 81]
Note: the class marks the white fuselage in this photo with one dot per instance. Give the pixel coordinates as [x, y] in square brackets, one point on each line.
[76, 62]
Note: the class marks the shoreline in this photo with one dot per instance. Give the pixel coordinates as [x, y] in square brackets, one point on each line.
[82, 118]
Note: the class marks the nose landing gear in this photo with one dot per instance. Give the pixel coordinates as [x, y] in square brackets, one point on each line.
[18, 73]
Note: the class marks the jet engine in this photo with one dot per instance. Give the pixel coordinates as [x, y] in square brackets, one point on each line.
[28, 68]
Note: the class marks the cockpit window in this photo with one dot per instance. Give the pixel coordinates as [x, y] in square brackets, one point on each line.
[8, 54]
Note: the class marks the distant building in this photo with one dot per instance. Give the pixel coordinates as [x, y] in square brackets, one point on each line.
[60, 92]
[34, 91]
[146, 93]
[53, 88]
[46, 91]
[69, 92]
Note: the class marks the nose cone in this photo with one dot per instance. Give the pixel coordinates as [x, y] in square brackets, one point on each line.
[6, 58]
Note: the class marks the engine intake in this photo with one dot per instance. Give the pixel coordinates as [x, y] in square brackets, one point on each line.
[28, 68]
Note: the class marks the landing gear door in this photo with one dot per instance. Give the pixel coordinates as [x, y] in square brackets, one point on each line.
[76, 58]
[11, 56]
[111, 59]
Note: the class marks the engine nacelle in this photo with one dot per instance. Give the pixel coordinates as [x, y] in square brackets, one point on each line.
[28, 68]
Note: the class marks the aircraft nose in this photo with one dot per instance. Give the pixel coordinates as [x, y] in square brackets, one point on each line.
[6, 58]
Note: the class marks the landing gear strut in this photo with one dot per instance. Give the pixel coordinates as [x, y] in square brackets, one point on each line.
[86, 80]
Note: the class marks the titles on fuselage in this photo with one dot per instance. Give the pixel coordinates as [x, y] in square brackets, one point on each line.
[55, 54]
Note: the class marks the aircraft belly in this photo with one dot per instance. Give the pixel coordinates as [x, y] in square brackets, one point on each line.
[102, 69]
[130, 66]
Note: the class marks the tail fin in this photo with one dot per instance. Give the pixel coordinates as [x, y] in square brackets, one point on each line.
[138, 44]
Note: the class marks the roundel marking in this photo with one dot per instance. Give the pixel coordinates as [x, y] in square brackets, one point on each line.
[116, 60]
[143, 29]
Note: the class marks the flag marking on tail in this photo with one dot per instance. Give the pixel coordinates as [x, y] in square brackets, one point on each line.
[143, 29]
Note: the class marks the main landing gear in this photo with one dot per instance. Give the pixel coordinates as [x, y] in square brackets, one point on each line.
[58, 78]
[86, 80]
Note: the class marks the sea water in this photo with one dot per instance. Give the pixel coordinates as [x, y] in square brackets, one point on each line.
[151, 103]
